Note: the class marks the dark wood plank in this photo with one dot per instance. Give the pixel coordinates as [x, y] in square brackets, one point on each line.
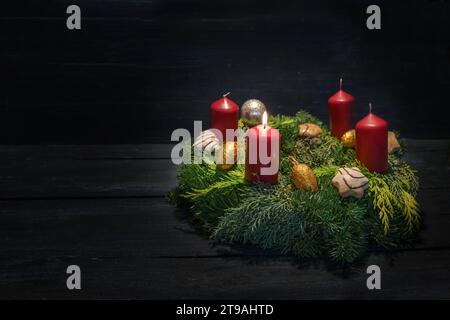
[86, 178]
[136, 67]
[137, 170]
[435, 212]
[150, 227]
[431, 151]
[145, 248]
[86, 152]
[427, 145]
[103, 228]
[404, 276]
[117, 178]
[59, 178]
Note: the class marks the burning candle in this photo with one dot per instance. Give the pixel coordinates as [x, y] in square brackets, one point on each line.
[224, 115]
[340, 111]
[371, 142]
[262, 153]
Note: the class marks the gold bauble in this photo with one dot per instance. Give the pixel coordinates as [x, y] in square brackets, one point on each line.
[309, 130]
[252, 111]
[303, 176]
[348, 139]
[228, 154]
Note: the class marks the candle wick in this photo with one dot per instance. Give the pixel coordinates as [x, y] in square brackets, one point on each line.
[226, 94]
[340, 84]
[370, 108]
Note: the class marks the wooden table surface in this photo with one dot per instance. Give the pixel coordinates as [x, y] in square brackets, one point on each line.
[103, 208]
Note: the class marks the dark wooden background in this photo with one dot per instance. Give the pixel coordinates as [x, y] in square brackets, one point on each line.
[139, 69]
[102, 102]
[104, 208]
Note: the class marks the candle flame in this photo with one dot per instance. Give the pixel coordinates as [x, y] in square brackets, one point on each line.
[264, 119]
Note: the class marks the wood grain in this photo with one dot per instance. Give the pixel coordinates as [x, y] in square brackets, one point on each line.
[139, 69]
[134, 226]
[95, 172]
[103, 208]
[411, 275]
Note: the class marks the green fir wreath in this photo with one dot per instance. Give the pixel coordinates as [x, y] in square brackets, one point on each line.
[303, 223]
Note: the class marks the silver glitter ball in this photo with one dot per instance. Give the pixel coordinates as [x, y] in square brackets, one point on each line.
[252, 111]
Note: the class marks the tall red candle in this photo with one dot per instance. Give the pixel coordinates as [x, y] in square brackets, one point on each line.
[340, 111]
[224, 115]
[259, 139]
[372, 142]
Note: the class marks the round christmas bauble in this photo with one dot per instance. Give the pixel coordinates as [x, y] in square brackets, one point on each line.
[348, 139]
[303, 176]
[252, 111]
[228, 156]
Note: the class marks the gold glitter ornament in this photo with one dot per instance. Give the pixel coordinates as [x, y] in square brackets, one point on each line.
[252, 111]
[348, 139]
[310, 130]
[303, 176]
[228, 153]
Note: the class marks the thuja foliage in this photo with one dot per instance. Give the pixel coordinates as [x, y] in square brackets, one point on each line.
[303, 223]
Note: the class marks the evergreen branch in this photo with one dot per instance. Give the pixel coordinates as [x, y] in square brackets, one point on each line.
[410, 210]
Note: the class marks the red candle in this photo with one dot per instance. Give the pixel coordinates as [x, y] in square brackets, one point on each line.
[340, 111]
[372, 142]
[262, 153]
[224, 115]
